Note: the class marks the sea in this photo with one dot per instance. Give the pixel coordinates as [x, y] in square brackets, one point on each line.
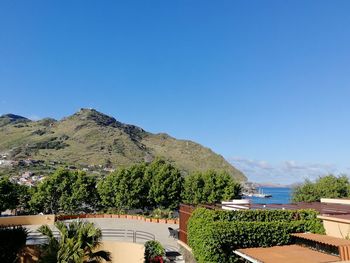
[280, 195]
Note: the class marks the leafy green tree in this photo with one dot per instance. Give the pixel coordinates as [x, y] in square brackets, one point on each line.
[77, 242]
[157, 184]
[8, 194]
[328, 186]
[210, 187]
[125, 188]
[65, 191]
[24, 194]
[165, 182]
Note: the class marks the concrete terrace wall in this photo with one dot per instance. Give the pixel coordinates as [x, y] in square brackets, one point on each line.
[336, 227]
[134, 217]
[123, 252]
[28, 220]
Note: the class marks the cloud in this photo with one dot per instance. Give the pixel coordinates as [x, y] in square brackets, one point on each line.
[34, 117]
[286, 172]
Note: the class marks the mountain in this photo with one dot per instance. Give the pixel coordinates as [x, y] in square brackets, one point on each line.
[89, 137]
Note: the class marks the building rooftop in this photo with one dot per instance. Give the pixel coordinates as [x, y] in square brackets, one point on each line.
[285, 254]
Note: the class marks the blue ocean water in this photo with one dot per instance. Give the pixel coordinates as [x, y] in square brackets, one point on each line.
[280, 195]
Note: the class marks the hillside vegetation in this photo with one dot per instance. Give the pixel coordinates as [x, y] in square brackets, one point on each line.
[89, 137]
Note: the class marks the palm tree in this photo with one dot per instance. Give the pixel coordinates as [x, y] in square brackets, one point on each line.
[76, 243]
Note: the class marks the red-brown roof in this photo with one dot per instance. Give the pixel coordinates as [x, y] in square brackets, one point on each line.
[323, 239]
[287, 254]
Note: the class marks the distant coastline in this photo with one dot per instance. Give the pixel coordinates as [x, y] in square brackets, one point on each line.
[274, 185]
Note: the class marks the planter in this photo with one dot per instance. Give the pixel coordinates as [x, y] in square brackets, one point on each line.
[162, 220]
[129, 217]
[122, 216]
[140, 218]
[148, 219]
[171, 221]
[107, 216]
[99, 216]
[115, 216]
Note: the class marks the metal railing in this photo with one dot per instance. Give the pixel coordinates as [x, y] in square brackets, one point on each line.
[35, 237]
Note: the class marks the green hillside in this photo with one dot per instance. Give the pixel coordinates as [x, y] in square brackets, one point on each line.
[89, 137]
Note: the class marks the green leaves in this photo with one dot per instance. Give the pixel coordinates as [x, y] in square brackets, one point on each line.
[328, 186]
[153, 249]
[210, 187]
[65, 191]
[165, 184]
[139, 186]
[215, 234]
[9, 194]
[76, 244]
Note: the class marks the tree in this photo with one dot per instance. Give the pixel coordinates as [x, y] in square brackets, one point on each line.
[8, 194]
[157, 184]
[65, 191]
[24, 196]
[210, 187]
[165, 182]
[125, 188]
[77, 243]
[328, 186]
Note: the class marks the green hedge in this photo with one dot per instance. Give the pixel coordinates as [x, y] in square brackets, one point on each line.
[12, 240]
[213, 235]
[255, 215]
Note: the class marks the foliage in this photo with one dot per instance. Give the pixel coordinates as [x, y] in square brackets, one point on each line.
[8, 194]
[214, 235]
[125, 188]
[329, 186]
[162, 213]
[154, 185]
[12, 240]
[257, 215]
[77, 243]
[210, 187]
[65, 190]
[153, 249]
[165, 184]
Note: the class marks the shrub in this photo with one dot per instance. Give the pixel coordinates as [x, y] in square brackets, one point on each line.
[12, 240]
[215, 234]
[328, 186]
[162, 213]
[154, 251]
[210, 187]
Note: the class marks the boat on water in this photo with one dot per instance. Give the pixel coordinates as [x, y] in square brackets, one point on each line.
[260, 194]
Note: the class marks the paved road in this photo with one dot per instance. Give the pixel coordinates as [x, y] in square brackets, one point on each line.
[160, 231]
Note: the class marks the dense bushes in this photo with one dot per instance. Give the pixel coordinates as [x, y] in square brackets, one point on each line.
[156, 185]
[65, 191]
[210, 187]
[214, 235]
[329, 186]
[8, 194]
[12, 240]
[144, 186]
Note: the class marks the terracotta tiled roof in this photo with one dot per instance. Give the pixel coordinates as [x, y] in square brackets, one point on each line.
[323, 239]
[287, 254]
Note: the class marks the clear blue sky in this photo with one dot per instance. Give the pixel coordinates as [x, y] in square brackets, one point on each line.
[264, 83]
